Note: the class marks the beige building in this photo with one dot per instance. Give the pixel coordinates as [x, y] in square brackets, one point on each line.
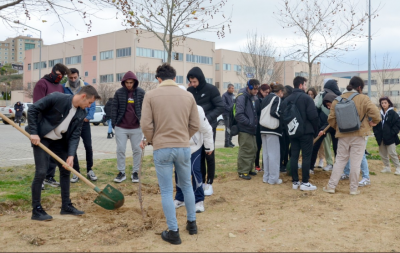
[12, 50]
[290, 69]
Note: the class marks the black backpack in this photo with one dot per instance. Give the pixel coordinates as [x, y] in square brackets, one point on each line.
[293, 120]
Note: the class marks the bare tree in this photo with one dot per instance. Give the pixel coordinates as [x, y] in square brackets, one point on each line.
[384, 76]
[106, 91]
[258, 58]
[146, 78]
[326, 29]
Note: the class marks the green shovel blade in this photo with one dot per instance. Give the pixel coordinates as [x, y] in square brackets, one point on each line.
[110, 198]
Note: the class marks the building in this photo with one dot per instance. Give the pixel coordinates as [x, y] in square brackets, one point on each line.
[288, 70]
[12, 50]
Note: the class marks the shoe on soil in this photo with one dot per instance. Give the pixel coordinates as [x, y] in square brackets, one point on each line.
[191, 227]
[258, 168]
[278, 182]
[253, 173]
[135, 177]
[244, 176]
[39, 214]
[344, 177]
[74, 178]
[397, 172]
[120, 177]
[328, 167]
[200, 207]
[91, 175]
[70, 209]
[232, 145]
[178, 203]
[354, 192]
[311, 172]
[386, 170]
[208, 191]
[171, 236]
[364, 182]
[295, 185]
[328, 190]
[43, 187]
[282, 169]
[52, 182]
[321, 163]
[307, 187]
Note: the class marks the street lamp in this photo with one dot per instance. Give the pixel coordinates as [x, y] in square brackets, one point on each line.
[369, 50]
[40, 47]
[284, 66]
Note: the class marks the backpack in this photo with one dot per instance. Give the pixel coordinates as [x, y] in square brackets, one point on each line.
[266, 120]
[233, 129]
[347, 117]
[293, 120]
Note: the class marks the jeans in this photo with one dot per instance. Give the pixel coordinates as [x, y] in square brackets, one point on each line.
[364, 168]
[197, 181]
[121, 137]
[305, 144]
[51, 170]
[210, 160]
[60, 148]
[109, 126]
[164, 160]
[86, 136]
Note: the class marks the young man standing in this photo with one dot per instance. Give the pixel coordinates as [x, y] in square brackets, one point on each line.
[247, 106]
[168, 127]
[125, 115]
[208, 97]
[56, 122]
[228, 97]
[72, 87]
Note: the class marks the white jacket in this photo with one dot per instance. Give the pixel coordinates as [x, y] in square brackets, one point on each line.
[204, 135]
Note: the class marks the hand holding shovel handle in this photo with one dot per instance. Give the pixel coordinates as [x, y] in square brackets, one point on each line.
[326, 129]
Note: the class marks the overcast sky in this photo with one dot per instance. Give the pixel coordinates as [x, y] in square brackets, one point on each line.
[250, 15]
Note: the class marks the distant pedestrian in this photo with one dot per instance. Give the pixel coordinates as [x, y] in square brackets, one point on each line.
[18, 108]
[261, 94]
[108, 110]
[228, 98]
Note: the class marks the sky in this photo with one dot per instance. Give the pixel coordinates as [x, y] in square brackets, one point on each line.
[247, 16]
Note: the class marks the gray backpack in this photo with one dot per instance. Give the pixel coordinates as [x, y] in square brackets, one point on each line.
[347, 117]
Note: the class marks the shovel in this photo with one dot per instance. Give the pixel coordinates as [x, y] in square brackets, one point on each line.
[109, 198]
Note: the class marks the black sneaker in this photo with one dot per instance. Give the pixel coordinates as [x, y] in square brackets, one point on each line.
[367, 153]
[70, 209]
[120, 177]
[282, 169]
[135, 177]
[252, 173]
[191, 227]
[52, 182]
[171, 236]
[244, 176]
[39, 214]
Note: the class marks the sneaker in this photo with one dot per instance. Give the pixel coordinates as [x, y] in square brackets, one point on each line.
[208, 191]
[328, 190]
[70, 209]
[344, 177]
[253, 173]
[311, 172]
[258, 168]
[328, 167]
[135, 177]
[282, 169]
[171, 236]
[91, 175]
[52, 182]
[307, 187]
[386, 170]
[364, 182]
[74, 178]
[200, 207]
[321, 163]
[43, 187]
[178, 203]
[244, 176]
[191, 227]
[278, 182]
[296, 185]
[354, 192]
[120, 177]
[39, 214]
[397, 172]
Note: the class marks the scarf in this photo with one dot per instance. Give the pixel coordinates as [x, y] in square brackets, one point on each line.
[53, 77]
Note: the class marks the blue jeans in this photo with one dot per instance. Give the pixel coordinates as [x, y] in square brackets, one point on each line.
[164, 160]
[197, 181]
[364, 168]
[109, 126]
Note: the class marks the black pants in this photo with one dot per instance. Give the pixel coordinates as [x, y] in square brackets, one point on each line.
[305, 144]
[228, 137]
[259, 145]
[210, 160]
[284, 142]
[318, 143]
[86, 136]
[60, 148]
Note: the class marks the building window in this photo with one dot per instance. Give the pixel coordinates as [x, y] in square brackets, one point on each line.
[94, 80]
[106, 55]
[179, 79]
[29, 46]
[199, 59]
[373, 82]
[227, 66]
[36, 65]
[395, 93]
[209, 80]
[146, 77]
[237, 86]
[94, 57]
[217, 66]
[177, 56]
[29, 66]
[54, 62]
[249, 69]
[303, 74]
[6, 49]
[124, 52]
[237, 68]
[107, 78]
[86, 73]
[5, 53]
[391, 81]
[29, 86]
[20, 52]
[120, 76]
[226, 85]
[73, 60]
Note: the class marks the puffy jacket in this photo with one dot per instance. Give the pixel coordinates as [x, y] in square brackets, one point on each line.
[204, 136]
[90, 111]
[20, 108]
[275, 112]
[108, 108]
[207, 96]
[322, 114]
[49, 112]
[121, 97]
[388, 129]
[246, 112]
[228, 99]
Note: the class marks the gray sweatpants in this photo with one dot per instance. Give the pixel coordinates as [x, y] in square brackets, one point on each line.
[386, 151]
[271, 157]
[121, 137]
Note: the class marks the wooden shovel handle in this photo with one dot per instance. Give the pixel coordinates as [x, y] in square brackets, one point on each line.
[48, 151]
[326, 129]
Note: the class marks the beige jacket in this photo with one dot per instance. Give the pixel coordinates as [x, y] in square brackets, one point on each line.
[169, 116]
[364, 107]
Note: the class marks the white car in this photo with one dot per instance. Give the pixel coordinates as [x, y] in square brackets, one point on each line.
[99, 116]
[9, 112]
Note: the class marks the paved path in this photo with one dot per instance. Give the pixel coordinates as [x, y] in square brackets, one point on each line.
[15, 148]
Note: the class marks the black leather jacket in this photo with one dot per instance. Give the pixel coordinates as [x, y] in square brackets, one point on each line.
[49, 112]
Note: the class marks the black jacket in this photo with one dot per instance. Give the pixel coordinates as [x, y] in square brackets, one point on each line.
[307, 109]
[275, 112]
[108, 108]
[20, 108]
[388, 133]
[228, 99]
[207, 96]
[49, 112]
[246, 112]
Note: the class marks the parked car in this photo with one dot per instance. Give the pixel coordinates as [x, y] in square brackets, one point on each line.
[220, 120]
[9, 112]
[99, 116]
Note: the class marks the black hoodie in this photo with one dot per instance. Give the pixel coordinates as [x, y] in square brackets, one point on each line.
[207, 96]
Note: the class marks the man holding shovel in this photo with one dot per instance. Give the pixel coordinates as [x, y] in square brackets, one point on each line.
[56, 121]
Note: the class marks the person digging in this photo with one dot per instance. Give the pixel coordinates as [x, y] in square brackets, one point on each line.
[56, 121]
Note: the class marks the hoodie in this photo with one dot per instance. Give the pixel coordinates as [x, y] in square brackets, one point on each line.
[387, 130]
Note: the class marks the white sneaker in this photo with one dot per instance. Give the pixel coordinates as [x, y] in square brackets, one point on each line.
[307, 187]
[344, 177]
[321, 163]
[91, 175]
[278, 182]
[397, 172]
[178, 203]
[74, 179]
[364, 182]
[208, 191]
[328, 167]
[295, 185]
[386, 170]
[200, 207]
[311, 172]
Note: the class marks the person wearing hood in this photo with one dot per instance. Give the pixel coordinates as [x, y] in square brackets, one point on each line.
[18, 108]
[107, 110]
[284, 140]
[125, 116]
[73, 85]
[386, 134]
[208, 97]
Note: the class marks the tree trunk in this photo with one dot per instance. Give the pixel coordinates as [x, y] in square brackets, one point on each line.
[310, 75]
